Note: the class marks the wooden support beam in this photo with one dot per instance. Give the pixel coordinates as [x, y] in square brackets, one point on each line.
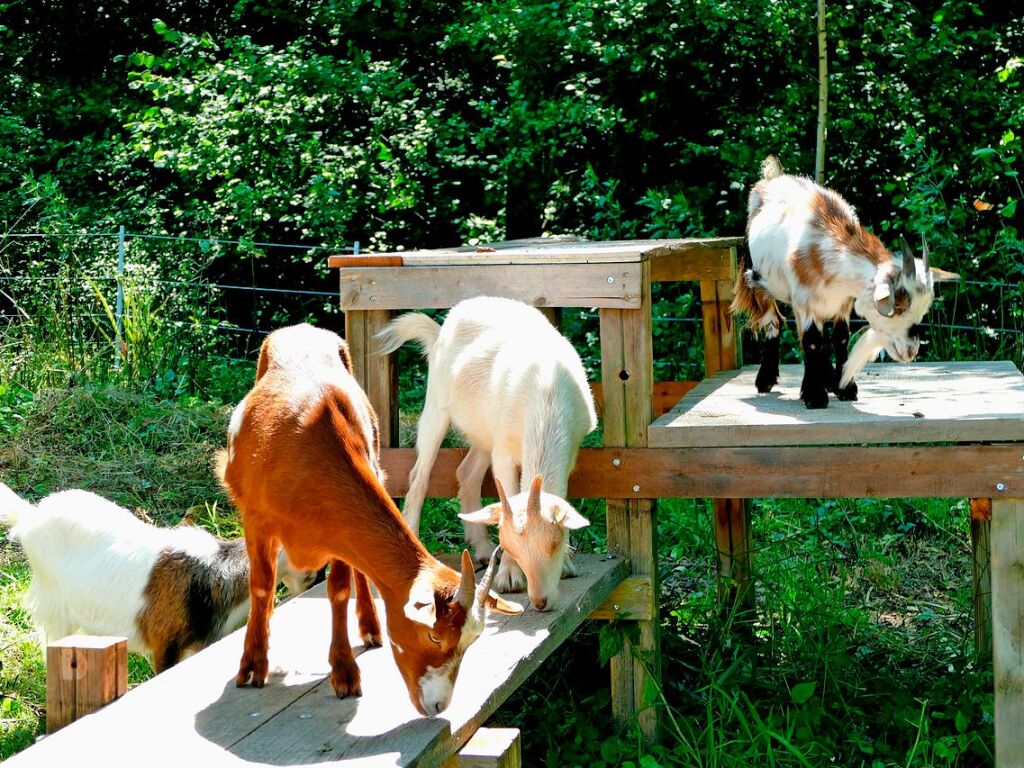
[631, 600]
[981, 549]
[83, 674]
[490, 748]
[734, 542]
[1008, 628]
[376, 373]
[694, 264]
[721, 351]
[627, 374]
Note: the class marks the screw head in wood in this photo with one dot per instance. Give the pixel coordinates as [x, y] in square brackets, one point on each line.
[1000, 487]
[611, 279]
[616, 462]
[373, 298]
[636, 489]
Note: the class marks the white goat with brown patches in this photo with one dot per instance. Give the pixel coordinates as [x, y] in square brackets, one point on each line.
[98, 569]
[808, 249]
[516, 388]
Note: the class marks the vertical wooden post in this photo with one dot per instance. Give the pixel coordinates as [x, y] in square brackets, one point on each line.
[490, 748]
[1008, 629]
[981, 548]
[627, 375]
[377, 374]
[732, 516]
[83, 674]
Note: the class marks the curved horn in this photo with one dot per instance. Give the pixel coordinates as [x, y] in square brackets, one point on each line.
[485, 583]
[909, 268]
[533, 502]
[467, 586]
[506, 508]
[884, 302]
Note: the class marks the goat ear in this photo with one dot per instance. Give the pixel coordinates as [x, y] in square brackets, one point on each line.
[420, 607]
[489, 515]
[885, 303]
[909, 262]
[568, 517]
[941, 275]
[497, 603]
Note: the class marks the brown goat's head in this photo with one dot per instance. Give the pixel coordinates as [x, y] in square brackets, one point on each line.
[534, 527]
[443, 616]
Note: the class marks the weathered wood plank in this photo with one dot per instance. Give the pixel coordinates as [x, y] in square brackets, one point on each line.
[1008, 628]
[194, 713]
[631, 600]
[912, 403]
[759, 472]
[83, 674]
[490, 748]
[981, 573]
[541, 285]
[704, 264]
[376, 373]
[664, 395]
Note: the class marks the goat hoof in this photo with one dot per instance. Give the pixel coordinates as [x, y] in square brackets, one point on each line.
[765, 381]
[345, 680]
[482, 553]
[371, 639]
[847, 393]
[818, 399]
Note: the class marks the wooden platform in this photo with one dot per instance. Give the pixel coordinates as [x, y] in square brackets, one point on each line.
[194, 715]
[912, 403]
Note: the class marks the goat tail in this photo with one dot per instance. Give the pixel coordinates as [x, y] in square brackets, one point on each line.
[752, 299]
[771, 168]
[412, 326]
[12, 507]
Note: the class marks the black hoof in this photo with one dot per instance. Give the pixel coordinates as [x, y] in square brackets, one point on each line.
[766, 380]
[847, 393]
[815, 398]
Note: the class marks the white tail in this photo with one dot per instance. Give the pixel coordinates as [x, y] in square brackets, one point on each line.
[12, 507]
[412, 326]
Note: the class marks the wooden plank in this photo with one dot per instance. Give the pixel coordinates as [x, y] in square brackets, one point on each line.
[490, 748]
[376, 373]
[195, 713]
[981, 572]
[547, 251]
[664, 395]
[1008, 628]
[83, 674]
[703, 264]
[734, 542]
[361, 261]
[898, 403]
[631, 600]
[541, 285]
[759, 472]
[720, 338]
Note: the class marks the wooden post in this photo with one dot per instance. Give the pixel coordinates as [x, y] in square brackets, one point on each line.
[627, 373]
[490, 748]
[732, 516]
[1008, 629]
[377, 374]
[83, 674]
[981, 548]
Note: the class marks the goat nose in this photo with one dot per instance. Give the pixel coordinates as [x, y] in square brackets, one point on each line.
[541, 604]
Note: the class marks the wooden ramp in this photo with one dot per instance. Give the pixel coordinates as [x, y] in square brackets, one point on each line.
[194, 715]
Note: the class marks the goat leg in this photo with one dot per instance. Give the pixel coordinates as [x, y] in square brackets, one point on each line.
[366, 611]
[344, 670]
[768, 373]
[817, 369]
[841, 344]
[254, 665]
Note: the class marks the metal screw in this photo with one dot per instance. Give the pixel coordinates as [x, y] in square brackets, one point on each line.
[636, 489]
[611, 279]
[615, 606]
[373, 298]
[616, 462]
[1000, 486]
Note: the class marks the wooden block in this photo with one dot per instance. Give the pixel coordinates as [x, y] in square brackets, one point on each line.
[376, 373]
[490, 748]
[361, 261]
[1008, 628]
[632, 599]
[981, 551]
[83, 674]
[694, 264]
[541, 285]
[734, 542]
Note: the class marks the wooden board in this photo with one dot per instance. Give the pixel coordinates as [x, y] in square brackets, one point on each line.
[541, 285]
[193, 714]
[560, 251]
[758, 472]
[912, 403]
[1008, 629]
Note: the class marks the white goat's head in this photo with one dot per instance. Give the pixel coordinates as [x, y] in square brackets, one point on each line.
[899, 299]
[533, 527]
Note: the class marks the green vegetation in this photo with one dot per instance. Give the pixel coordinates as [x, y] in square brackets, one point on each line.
[421, 124]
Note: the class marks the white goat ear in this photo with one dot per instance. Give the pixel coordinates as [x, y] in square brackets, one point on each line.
[489, 515]
[421, 606]
[884, 301]
[941, 275]
[568, 517]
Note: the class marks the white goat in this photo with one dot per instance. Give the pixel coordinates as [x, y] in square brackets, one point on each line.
[516, 389]
[98, 569]
[808, 249]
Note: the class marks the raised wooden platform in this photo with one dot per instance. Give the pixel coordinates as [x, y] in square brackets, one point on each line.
[194, 715]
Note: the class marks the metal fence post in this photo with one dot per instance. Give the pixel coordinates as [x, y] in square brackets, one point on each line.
[119, 311]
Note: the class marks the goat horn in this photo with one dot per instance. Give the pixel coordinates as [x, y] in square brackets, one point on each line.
[485, 583]
[533, 502]
[924, 256]
[909, 268]
[467, 586]
[506, 508]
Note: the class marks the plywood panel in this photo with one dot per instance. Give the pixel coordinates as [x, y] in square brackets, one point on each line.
[913, 403]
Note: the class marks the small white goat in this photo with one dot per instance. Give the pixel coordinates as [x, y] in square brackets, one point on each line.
[98, 569]
[516, 389]
[808, 249]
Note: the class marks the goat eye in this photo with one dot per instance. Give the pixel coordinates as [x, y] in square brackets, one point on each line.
[434, 638]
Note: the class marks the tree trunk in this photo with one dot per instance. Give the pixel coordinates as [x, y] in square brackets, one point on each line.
[819, 155]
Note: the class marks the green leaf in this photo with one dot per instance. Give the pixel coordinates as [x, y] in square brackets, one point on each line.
[938, 16]
[1009, 209]
[610, 640]
[801, 692]
[961, 722]
[159, 27]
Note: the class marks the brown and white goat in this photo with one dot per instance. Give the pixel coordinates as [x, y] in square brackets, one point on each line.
[516, 388]
[303, 467]
[808, 249]
[99, 570]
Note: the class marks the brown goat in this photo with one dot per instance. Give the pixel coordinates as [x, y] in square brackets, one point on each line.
[303, 467]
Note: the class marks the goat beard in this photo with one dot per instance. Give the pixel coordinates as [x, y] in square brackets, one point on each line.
[864, 351]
